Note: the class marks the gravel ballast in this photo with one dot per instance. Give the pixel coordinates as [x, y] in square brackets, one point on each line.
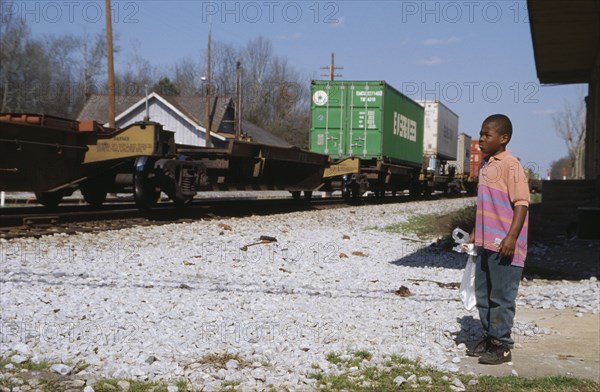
[153, 303]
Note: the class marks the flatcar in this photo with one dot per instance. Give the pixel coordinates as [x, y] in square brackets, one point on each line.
[53, 157]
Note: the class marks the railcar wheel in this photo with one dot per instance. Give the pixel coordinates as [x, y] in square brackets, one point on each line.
[308, 195]
[296, 195]
[145, 193]
[94, 194]
[49, 199]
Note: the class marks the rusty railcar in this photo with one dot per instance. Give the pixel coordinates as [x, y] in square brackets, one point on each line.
[53, 157]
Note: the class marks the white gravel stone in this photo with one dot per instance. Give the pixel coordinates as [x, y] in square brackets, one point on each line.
[88, 388]
[78, 383]
[17, 359]
[144, 302]
[399, 380]
[61, 369]
[457, 385]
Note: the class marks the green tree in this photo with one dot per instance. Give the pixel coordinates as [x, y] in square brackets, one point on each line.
[165, 87]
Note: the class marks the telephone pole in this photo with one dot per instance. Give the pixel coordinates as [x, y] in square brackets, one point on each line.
[332, 69]
[111, 67]
[208, 92]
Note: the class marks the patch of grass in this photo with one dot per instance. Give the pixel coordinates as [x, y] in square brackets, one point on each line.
[350, 360]
[229, 385]
[433, 225]
[43, 365]
[134, 386]
[381, 378]
[219, 360]
[182, 385]
[47, 385]
[545, 384]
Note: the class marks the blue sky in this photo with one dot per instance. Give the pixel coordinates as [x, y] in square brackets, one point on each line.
[475, 56]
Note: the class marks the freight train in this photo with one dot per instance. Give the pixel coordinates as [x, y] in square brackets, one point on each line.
[364, 136]
[380, 140]
[53, 157]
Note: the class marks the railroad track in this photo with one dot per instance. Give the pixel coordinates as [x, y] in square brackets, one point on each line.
[69, 219]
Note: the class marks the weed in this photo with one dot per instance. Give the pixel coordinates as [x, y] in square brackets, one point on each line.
[219, 360]
[433, 225]
[385, 378]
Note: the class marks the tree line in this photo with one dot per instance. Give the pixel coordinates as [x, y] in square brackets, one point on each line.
[56, 75]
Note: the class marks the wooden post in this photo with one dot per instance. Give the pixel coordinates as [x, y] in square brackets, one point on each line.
[208, 92]
[111, 68]
[238, 103]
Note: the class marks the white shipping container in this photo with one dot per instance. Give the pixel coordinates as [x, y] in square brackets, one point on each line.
[463, 154]
[441, 130]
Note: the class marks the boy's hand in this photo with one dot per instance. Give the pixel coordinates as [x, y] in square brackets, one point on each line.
[507, 246]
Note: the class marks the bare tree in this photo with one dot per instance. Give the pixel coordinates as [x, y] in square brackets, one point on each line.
[186, 77]
[93, 53]
[570, 125]
[13, 35]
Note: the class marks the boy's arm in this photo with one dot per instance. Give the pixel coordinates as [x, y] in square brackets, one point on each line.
[507, 246]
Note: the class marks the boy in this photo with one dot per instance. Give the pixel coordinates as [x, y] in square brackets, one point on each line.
[500, 234]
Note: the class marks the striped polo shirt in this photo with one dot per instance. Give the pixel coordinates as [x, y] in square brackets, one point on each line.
[502, 186]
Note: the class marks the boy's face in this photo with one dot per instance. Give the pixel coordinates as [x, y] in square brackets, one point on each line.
[490, 141]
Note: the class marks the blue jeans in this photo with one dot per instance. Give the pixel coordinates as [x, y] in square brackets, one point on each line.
[496, 287]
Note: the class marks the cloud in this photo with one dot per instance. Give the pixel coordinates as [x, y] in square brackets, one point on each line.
[544, 112]
[441, 41]
[291, 37]
[339, 23]
[434, 60]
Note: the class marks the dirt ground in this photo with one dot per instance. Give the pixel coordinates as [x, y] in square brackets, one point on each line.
[572, 348]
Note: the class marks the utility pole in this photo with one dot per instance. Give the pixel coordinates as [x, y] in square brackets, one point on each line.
[208, 92]
[238, 104]
[111, 68]
[332, 69]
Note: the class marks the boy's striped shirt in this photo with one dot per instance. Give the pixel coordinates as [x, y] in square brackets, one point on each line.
[503, 185]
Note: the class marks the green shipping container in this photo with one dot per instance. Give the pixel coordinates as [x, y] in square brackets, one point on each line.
[365, 119]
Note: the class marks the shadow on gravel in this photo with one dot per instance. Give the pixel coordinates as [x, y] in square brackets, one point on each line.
[470, 332]
[415, 255]
[557, 260]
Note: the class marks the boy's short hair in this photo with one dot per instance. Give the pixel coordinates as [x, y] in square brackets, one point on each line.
[501, 123]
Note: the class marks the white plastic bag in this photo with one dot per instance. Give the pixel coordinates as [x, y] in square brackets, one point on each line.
[467, 285]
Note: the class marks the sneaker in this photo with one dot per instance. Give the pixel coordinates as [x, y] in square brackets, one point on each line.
[496, 354]
[480, 348]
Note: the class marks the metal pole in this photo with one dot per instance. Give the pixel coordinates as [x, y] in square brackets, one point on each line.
[111, 68]
[208, 92]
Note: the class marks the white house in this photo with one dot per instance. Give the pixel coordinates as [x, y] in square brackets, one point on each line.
[183, 115]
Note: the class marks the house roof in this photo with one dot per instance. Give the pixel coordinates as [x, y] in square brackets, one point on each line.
[192, 108]
[262, 136]
[566, 39]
